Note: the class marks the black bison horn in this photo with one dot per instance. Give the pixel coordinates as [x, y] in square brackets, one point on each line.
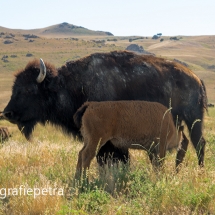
[42, 74]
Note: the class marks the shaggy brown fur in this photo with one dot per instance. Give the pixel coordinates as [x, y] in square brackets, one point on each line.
[126, 124]
[112, 76]
[4, 134]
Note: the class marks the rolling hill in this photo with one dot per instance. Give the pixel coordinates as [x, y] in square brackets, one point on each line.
[60, 43]
[59, 30]
[49, 160]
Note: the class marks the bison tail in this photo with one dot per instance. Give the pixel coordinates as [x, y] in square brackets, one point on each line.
[204, 96]
[78, 115]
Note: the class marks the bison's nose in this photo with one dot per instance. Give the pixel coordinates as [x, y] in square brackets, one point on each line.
[7, 115]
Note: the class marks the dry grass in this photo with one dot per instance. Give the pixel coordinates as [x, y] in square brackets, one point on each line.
[50, 161]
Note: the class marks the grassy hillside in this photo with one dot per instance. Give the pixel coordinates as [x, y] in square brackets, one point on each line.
[60, 30]
[197, 52]
[49, 161]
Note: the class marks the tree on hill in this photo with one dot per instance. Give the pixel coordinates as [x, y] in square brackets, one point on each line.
[156, 36]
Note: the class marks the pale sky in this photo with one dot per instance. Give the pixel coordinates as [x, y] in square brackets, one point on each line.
[120, 17]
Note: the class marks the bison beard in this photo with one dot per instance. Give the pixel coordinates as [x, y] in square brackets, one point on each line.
[41, 93]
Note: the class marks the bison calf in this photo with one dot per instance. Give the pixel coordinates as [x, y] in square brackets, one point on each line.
[128, 124]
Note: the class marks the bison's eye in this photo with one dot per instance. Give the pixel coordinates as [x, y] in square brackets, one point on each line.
[30, 90]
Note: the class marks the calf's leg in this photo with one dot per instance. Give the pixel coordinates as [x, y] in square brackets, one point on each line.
[155, 155]
[79, 164]
[87, 153]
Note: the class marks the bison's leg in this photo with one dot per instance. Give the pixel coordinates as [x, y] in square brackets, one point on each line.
[155, 156]
[79, 164]
[198, 140]
[86, 155]
[193, 117]
[84, 159]
[181, 151]
[109, 152]
[152, 153]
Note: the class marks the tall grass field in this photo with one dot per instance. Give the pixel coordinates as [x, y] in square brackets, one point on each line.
[37, 177]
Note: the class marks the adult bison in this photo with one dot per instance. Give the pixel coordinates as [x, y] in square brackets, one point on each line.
[43, 93]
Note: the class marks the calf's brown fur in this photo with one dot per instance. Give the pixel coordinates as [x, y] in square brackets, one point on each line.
[127, 124]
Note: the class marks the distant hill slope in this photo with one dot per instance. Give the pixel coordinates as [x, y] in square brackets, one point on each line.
[60, 30]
